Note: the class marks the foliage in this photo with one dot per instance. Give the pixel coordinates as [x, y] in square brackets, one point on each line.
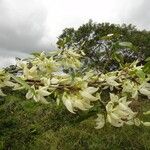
[43, 76]
[101, 47]
[57, 79]
[25, 124]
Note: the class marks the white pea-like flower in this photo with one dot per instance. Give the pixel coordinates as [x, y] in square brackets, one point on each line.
[118, 112]
[109, 81]
[38, 94]
[5, 81]
[21, 64]
[100, 121]
[80, 100]
[29, 73]
[145, 89]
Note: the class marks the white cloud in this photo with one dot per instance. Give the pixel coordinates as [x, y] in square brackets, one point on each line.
[7, 61]
[73, 13]
[22, 25]
[27, 25]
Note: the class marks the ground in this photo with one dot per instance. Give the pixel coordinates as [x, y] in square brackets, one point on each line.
[25, 124]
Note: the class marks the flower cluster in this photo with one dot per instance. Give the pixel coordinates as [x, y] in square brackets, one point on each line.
[58, 76]
[4, 81]
[118, 112]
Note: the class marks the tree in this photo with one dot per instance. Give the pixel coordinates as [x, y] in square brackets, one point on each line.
[99, 48]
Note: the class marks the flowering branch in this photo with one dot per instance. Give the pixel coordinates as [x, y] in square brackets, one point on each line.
[44, 75]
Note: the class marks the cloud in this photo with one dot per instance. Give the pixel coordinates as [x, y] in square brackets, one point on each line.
[22, 25]
[7, 57]
[73, 13]
[141, 14]
[5, 61]
[27, 25]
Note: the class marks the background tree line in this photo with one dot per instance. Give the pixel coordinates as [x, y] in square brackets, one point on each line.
[107, 46]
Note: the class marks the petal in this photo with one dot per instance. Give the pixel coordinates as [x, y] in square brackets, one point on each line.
[114, 97]
[144, 91]
[109, 118]
[137, 121]
[58, 101]
[109, 107]
[36, 98]
[114, 122]
[130, 122]
[33, 69]
[123, 106]
[79, 104]
[91, 90]
[18, 87]
[147, 113]
[29, 95]
[44, 93]
[135, 95]
[114, 116]
[117, 123]
[100, 121]
[54, 81]
[123, 100]
[111, 82]
[68, 104]
[25, 71]
[121, 113]
[43, 100]
[8, 83]
[46, 81]
[146, 124]
[88, 96]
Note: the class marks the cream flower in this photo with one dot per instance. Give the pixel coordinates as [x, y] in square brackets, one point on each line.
[38, 95]
[46, 81]
[87, 94]
[29, 73]
[130, 87]
[145, 89]
[109, 81]
[118, 112]
[70, 59]
[72, 102]
[100, 121]
[5, 81]
[21, 64]
[79, 100]
[45, 65]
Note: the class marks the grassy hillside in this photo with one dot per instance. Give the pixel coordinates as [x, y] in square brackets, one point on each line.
[25, 124]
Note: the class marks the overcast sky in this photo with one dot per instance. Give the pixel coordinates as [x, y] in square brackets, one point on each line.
[27, 25]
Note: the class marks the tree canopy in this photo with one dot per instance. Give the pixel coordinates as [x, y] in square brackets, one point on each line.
[100, 43]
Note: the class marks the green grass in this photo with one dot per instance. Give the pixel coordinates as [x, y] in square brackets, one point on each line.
[25, 124]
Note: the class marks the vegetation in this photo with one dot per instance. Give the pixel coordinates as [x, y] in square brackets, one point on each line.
[80, 106]
[25, 124]
[99, 48]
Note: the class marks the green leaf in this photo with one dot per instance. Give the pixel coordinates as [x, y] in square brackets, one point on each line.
[54, 52]
[147, 59]
[126, 44]
[117, 57]
[146, 68]
[22, 82]
[36, 54]
[140, 74]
